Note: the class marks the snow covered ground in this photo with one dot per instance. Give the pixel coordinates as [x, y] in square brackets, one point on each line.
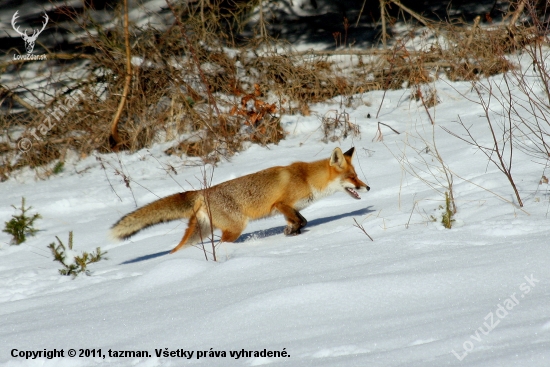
[418, 295]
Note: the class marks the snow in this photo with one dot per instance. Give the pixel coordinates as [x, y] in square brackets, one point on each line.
[418, 295]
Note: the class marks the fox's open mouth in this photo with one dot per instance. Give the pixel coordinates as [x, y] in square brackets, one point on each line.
[353, 193]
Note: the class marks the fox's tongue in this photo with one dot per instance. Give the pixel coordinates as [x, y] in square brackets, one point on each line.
[353, 193]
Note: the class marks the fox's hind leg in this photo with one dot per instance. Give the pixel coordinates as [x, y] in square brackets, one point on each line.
[231, 228]
[198, 230]
[293, 217]
[230, 236]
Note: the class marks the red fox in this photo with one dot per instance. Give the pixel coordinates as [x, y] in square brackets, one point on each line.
[229, 206]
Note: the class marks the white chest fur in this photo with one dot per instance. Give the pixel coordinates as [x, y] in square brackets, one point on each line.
[318, 194]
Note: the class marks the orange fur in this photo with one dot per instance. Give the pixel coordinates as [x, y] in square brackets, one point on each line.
[229, 206]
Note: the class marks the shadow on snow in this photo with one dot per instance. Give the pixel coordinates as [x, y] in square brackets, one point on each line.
[265, 232]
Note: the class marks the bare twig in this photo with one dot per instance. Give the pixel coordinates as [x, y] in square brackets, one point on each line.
[489, 191]
[391, 128]
[410, 216]
[516, 14]
[206, 184]
[379, 136]
[415, 15]
[114, 124]
[360, 226]
[439, 158]
[473, 30]
[383, 18]
[497, 149]
[360, 13]
[16, 98]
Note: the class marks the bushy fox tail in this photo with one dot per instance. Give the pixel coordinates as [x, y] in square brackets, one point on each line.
[170, 208]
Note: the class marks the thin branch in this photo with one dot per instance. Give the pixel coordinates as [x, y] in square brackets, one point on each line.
[418, 17]
[473, 30]
[383, 18]
[360, 226]
[516, 14]
[16, 98]
[360, 13]
[116, 118]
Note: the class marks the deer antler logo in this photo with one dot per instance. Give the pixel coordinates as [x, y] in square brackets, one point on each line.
[29, 40]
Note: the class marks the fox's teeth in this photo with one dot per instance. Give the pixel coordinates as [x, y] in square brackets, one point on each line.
[353, 192]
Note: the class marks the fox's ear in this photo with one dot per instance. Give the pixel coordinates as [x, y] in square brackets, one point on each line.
[337, 158]
[350, 152]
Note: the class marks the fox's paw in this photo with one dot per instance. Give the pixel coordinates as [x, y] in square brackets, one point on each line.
[290, 231]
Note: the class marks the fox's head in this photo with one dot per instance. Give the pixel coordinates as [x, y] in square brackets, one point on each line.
[349, 182]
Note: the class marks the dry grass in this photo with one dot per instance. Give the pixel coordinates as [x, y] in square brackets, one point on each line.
[172, 85]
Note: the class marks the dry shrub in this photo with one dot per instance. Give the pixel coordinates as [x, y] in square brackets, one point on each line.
[404, 68]
[477, 52]
[304, 78]
[336, 125]
[465, 54]
[211, 100]
[426, 95]
[262, 126]
[166, 99]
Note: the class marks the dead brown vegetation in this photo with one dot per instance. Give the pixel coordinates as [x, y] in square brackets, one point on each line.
[183, 85]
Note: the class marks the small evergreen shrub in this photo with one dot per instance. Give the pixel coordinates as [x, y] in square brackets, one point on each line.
[447, 213]
[20, 226]
[74, 264]
[58, 168]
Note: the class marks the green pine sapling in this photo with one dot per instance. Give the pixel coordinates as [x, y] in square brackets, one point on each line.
[20, 226]
[74, 264]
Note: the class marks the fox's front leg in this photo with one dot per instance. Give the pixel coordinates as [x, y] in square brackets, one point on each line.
[293, 217]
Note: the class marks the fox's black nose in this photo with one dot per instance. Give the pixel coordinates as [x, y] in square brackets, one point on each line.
[368, 187]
